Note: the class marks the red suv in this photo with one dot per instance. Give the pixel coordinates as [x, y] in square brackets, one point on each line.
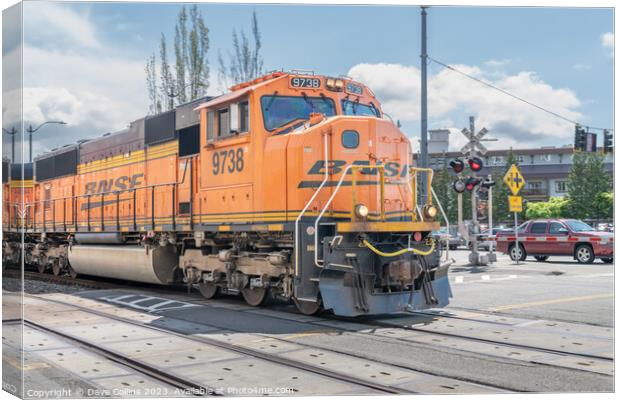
[557, 237]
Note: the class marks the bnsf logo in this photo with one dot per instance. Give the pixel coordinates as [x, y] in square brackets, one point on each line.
[336, 166]
[108, 185]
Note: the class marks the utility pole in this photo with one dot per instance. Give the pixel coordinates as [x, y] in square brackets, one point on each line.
[423, 106]
[12, 132]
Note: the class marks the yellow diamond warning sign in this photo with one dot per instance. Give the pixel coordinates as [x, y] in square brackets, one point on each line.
[514, 180]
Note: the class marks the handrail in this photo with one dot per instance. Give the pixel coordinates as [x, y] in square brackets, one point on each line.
[329, 201]
[102, 196]
[298, 219]
[381, 169]
[445, 218]
[316, 222]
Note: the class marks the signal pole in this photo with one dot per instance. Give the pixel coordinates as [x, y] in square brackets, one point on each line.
[474, 256]
[423, 105]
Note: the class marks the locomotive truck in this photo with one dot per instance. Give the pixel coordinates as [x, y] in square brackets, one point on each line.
[292, 184]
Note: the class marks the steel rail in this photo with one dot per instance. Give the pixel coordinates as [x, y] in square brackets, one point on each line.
[106, 285]
[242, 350]
[151, 371]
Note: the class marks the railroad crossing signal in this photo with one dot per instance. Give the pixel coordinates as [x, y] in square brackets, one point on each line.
[514, 180]
[607, 141]
[515, 203]
[474, 141]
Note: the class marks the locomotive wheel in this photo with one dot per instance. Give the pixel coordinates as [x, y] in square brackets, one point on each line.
[254, 297]
[41, 268]
[208, 290]
[56, 268]
[308, 307]
[72, 273]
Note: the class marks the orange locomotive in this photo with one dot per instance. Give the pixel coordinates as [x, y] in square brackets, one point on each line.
[291, 184]
[17, 192]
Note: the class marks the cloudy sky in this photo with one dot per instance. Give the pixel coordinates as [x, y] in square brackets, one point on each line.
[84, 63]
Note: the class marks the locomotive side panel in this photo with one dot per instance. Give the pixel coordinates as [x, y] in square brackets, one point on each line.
[97, 183]
[228, 157]
[160, 176]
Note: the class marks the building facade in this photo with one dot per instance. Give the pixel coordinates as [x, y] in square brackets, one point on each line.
[545, 169]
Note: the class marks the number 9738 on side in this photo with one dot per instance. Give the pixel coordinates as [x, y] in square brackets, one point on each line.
[227, 161]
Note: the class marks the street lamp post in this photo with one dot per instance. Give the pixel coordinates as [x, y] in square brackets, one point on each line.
[12, 132]
[30, 131]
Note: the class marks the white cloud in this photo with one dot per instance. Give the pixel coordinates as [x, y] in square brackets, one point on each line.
[498, 63]
[69, 74]
[454, 97]
[111, 89]
[59, 23]
[607, 41]
[582, 67]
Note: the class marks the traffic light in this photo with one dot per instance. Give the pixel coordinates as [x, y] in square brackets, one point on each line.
[458, 186]
[475, 164]
[471, 183]
[607, 142]
[580, 138]
[457, 165]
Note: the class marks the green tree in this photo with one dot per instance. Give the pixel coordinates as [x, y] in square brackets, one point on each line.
[556, 207]
[442, 185]
[245, 61]
[188, 78]
[587, 180]
[604, 205]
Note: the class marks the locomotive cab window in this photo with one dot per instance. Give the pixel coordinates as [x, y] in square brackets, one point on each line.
[350, 139]
[244, 117]
[355, 108]
[223, 123]
[279, 111]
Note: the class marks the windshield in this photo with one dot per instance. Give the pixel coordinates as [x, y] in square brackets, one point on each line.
[355, 108]
[578, 226]
[280, 110]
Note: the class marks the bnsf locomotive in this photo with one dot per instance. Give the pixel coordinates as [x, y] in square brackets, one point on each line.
[291, 184]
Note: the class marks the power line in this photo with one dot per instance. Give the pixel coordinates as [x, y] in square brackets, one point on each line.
[515, 96]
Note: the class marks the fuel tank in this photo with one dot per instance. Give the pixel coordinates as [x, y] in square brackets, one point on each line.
[99, 238]
[132, 263]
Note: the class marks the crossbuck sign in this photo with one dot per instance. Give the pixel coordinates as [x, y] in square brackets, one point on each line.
[474, 141]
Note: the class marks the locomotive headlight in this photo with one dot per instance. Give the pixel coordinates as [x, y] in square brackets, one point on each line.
[430, 211]
[339, 84]
[330, 83]
[361, 211]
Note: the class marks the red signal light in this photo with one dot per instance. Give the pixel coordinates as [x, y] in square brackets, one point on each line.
[475, 164]
[471, 183]
[457, 165]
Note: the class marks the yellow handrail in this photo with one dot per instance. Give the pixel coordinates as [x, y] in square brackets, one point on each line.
[381, 169]
[413, 172]
[400, 252]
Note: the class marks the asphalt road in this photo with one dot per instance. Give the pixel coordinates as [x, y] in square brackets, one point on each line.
[559, 289]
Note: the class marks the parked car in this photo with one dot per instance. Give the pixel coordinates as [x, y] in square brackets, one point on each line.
[543, 238]
[453, 239]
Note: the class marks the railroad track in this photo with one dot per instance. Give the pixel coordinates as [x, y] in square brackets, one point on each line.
[269, 357]
[185, 385]
[488, 341]
[368, 321]
[98, 283]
